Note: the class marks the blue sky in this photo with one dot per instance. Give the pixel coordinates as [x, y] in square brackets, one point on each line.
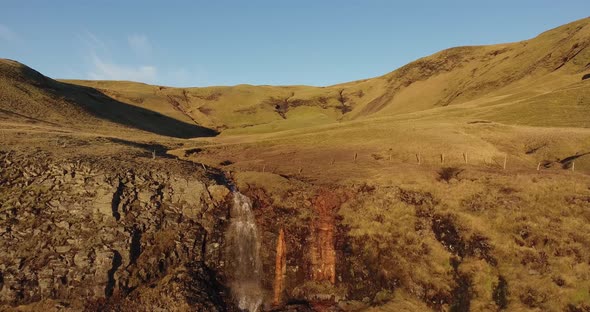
[202, 43]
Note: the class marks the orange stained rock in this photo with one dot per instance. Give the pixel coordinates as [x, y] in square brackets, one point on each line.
[323, 254]
[280, 268]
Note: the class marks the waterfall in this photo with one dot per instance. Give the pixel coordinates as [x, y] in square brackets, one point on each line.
[242, 255]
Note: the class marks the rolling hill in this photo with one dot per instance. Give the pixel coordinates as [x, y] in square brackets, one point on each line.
[479, 100]
[533, 82]
[28, 97]
[500, 82]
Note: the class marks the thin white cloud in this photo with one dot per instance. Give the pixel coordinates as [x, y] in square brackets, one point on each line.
[140, 45]
[104, 70]
[93, 43]
[7, 33]
[103, 64]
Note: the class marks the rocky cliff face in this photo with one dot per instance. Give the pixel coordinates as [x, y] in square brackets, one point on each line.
[131, 233]
[142, 234]
[84, 233]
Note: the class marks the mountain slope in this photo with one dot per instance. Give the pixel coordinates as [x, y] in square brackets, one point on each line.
[533, 82]
[27, 96]
[550, 61]
[520, 71]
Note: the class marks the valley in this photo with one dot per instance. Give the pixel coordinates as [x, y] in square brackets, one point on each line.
[458, 182]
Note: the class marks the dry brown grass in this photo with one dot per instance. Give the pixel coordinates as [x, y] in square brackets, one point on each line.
[522, 230]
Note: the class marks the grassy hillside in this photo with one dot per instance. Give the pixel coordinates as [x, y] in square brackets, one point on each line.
[477, 101]
[29, 98]
[492, 78]
[534, 82]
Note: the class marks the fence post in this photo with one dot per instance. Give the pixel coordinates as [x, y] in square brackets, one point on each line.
[355, 156]
[573, 165]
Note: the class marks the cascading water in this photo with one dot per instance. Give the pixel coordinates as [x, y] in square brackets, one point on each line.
[243, 255]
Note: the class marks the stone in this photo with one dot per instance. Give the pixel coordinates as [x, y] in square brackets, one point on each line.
[63, 249]
[186, 191]
[103, 201]
[144, 196]
[63, 225]
[81, 260]
[218, 192]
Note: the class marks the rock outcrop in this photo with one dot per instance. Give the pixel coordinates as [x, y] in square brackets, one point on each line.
[84, 230]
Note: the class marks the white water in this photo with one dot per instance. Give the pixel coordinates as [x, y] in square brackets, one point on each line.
[242, 255]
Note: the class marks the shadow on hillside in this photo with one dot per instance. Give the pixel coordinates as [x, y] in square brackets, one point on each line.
[567, 162]
[105, 107]
[158, 149]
